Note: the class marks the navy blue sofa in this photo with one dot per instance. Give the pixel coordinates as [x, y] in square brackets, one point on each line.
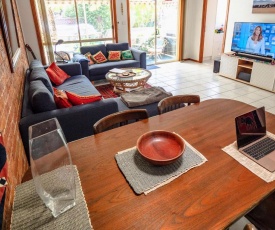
[38, 103]
[76, 122]
[98, 71]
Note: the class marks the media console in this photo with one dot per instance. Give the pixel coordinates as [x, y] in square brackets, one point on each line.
[250, 71]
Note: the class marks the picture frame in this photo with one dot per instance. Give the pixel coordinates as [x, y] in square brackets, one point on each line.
[263, 6]
[9, 30]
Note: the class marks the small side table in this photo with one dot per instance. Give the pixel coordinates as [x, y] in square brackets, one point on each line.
[135, 78]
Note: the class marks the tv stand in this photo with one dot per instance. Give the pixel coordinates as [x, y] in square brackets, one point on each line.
[261, 74]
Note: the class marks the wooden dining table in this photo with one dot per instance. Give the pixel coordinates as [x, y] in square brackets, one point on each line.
[211, 196]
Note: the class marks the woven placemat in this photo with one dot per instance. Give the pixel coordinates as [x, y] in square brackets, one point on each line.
[145, 177]
[29, 211]
[257, 169]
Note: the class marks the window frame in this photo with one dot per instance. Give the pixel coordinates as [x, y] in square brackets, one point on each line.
[47, 56]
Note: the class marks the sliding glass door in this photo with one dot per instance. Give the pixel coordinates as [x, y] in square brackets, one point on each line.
[154, 28]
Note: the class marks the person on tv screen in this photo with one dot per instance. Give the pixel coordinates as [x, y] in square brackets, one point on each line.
[256, 42]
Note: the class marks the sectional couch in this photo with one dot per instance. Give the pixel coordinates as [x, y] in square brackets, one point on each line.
[77, 121]
[98, 71]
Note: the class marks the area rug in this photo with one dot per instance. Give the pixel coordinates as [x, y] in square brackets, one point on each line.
[106, 90]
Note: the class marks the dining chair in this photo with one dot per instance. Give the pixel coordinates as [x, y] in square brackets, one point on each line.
[175, 102]
[119, 119]
[249, 227]
[263, 215]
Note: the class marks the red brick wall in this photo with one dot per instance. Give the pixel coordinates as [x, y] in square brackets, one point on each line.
[11, 89]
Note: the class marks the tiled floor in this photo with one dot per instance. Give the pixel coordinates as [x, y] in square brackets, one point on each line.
[194, 78]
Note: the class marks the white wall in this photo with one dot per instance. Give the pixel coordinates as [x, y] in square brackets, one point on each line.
[28, 28]
[210, 23]
[122, 23]
[192, 29]
[241, 11]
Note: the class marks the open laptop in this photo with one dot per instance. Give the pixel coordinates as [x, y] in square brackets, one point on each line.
[252, 140]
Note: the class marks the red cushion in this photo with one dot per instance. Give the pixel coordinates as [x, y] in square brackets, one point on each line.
[99, 57]
[57, 75]
[114, 55]
[79, 100]
[61, 99]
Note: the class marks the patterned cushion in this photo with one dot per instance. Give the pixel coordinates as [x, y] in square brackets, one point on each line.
[99, 57]
[57, 75]
[114, 55]
[61, 99]
[89, 56]
[127, 55]
[80, 100]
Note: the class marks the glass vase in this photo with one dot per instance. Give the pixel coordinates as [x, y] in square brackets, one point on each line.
[51, 166]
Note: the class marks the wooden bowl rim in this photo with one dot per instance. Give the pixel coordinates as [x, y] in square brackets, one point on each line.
[161, 131]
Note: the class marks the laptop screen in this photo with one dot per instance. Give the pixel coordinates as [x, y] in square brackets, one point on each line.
[250, 127]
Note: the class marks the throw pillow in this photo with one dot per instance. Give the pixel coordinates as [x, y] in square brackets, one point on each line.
[80, 100]
[61, 99]
[89, 56]
[127, 55]
[114, 55]
[99, 57]
[57, 75]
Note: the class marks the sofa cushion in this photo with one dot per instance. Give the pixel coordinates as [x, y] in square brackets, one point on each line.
[57, 75]
[76, 99]
[94, 49]
[114, 55]
[78, 84]
[103, 68]
[35, 64]
[117, 46]
[40, 74]
[61, 99]
[40, 97]
[99, 57]
[127, 55]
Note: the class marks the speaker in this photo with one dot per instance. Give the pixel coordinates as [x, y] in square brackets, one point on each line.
[216, 67]
[244, 76]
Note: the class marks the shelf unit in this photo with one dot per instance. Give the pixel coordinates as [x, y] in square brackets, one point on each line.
[261, 74]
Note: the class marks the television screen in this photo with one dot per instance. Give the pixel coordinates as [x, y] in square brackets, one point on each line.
[254, 38]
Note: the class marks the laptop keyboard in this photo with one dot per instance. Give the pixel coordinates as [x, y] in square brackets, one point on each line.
[261, 148]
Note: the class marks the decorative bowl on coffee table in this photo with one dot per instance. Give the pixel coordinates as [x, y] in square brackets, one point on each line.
[160, 147]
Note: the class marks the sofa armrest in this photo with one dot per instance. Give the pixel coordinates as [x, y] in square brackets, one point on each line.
[80, 58]
[140, 56]
[76, 122]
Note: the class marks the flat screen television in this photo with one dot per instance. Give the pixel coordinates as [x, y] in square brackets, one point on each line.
[255, 40]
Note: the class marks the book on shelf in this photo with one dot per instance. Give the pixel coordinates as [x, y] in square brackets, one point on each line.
[116, 70]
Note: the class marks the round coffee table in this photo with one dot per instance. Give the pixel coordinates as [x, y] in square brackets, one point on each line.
[131, 79]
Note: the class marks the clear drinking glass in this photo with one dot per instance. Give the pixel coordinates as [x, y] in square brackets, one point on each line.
[51, 166]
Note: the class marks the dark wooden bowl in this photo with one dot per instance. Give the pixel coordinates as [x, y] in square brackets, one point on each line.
[160, 147]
